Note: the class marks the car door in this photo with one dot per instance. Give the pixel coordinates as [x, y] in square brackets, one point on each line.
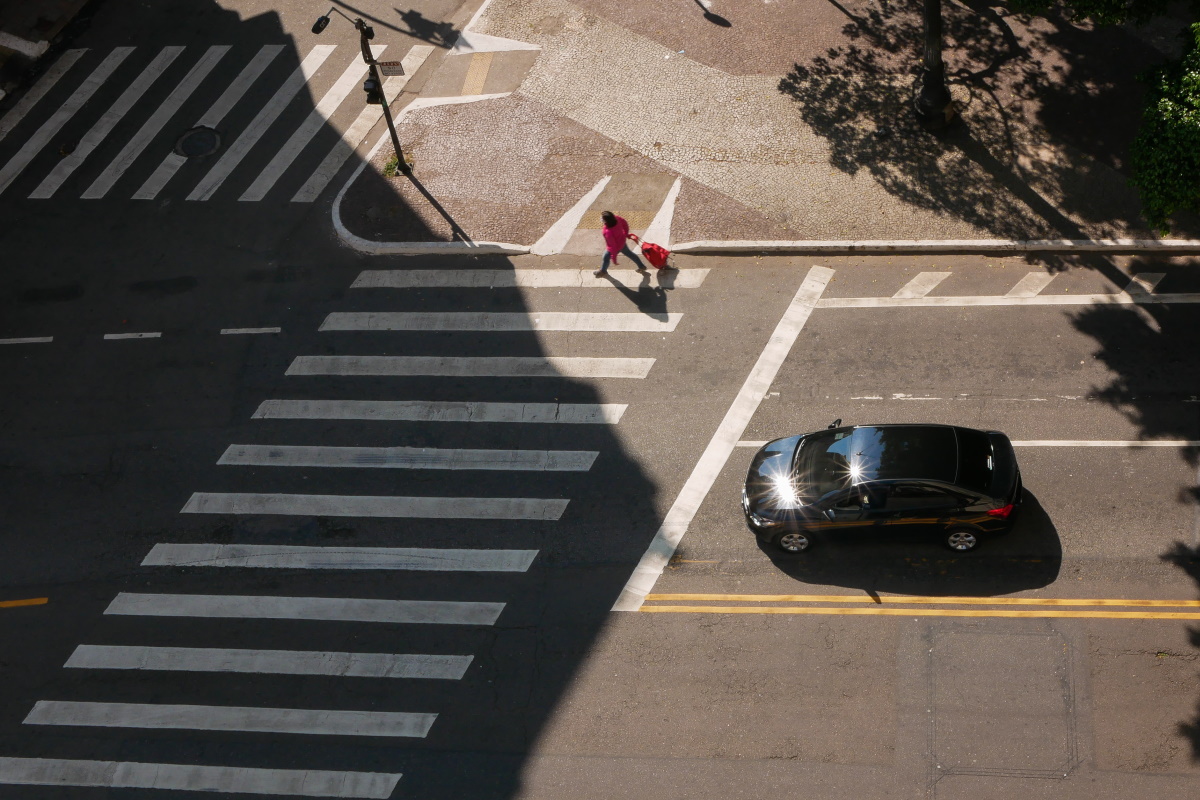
[857, 507]
[916, 504]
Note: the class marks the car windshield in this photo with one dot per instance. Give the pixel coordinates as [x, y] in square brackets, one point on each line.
[829, 461]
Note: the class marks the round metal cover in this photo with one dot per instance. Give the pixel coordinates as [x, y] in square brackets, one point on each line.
[198, 142]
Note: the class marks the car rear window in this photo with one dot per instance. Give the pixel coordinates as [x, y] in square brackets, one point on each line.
[975, 464]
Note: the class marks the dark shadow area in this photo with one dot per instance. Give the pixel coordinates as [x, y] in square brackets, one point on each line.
[650, 296]
[713, 17]
[1047, 117]
[916, 563]
[417, 25]
[456, 231]
[103, 444]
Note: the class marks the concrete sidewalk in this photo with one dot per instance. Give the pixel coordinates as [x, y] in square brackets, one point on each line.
[783, 121]
[27, 29]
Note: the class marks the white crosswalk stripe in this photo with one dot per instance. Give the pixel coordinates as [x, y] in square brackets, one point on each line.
[337, 505]
[197, 778]
[501, 367]
[580, 321]
[522, 278]
[34, 144]
[273, 662]
[308, 129]
[39, 90]
[922, 285]
[92, 139]
[211, 118]
[134, 147]
[274, 556]
[428, 411]
[1031, 285]
[276, 455]
[258, 126]
[330, 609]
[321, 722]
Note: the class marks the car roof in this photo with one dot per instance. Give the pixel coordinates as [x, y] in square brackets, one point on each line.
[904, 451]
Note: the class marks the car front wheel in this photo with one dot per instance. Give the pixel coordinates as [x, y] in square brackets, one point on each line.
[961, 539]
[792, 541]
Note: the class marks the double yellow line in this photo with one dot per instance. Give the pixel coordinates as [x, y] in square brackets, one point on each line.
[892, 606]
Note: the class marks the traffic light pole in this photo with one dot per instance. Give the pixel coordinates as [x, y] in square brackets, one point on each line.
[363, 40]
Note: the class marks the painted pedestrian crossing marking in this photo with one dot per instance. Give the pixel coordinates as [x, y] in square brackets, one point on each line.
[258, 126]
[271, 556]
[522, 278]
[92, 139]
[1031, 285]
[1144, 283]
[39, 90]
[197, 777]
[211, 118]
[426, 411]
[272, 662]
[512, 367]
[922, 285]
[141, 140]
[328, 609]
[17, 164]
[408, 458]
[313, 722]
[337, 505]
[577, 321]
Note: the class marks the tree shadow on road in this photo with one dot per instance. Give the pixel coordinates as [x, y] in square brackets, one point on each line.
[1047, 116]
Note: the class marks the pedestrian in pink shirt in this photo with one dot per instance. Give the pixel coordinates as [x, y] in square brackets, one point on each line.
[616, 233]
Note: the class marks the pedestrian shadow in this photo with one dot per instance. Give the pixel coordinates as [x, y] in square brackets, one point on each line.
[1039, 151]
[916, 563]
[650, 297]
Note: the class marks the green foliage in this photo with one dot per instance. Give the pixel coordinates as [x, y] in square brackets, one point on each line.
[1104, 12]
[392, 168]
[1166, 154]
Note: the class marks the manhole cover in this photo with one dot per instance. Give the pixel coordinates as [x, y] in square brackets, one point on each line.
[198, 142]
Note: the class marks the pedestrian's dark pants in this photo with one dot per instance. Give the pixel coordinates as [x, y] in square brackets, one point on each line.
[626, 251]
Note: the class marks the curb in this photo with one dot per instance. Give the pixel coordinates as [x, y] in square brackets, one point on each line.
[839, 247]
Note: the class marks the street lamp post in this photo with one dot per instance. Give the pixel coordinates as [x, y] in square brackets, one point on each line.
[934, 106]
[373, 84]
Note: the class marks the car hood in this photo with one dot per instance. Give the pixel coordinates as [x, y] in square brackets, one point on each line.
[771, 465]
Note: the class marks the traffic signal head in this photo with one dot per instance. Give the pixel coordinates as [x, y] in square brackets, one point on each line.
[374, 91]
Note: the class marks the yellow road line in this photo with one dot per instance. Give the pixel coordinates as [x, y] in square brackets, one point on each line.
[950, 601]
[921, 612]
[33, 601]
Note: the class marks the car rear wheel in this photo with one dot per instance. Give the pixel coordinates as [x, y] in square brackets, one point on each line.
[792, 541]
[961, 539]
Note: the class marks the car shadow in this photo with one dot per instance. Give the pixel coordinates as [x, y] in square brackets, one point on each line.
[1027, 557]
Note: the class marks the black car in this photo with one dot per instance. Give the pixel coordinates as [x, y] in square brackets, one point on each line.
[958, 483]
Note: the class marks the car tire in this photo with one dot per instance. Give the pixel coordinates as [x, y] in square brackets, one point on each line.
[961, 539]
[792, 541]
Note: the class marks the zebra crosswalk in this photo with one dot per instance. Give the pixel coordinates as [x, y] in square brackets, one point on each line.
[67, 138]
[438, 603]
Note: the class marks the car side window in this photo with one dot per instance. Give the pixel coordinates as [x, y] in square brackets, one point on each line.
[913, 496]
[851, 499]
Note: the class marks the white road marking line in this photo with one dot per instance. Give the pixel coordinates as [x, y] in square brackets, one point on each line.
[140, 140]
[408, 458]
[237, 331]
[659, 230]
[361, 126]
[39, 90]
[1144, 283]
[147, 335]
[319, 722]
[1123, 299]
[29, 340]
[501, 367]
[329, 609]
[228, 99]
[1031, 285]
[338, 505]
[1130, 443]
[316, 118]
[269, 556]
[728, 433]
[749, 443]
[520, 278]
[559, 234]
[197, 778]
[424, 411]
[923, 284]
[263, 120]
[579, 321]
[65, 112]
[104, 126]
[272, 662]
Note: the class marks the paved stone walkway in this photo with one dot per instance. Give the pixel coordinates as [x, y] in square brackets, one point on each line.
[791, 121]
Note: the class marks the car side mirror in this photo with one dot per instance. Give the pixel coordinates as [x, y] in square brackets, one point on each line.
[835, 424]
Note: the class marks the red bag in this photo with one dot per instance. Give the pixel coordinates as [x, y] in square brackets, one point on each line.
[656, 254]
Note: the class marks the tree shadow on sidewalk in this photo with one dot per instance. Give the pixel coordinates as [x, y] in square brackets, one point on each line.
[1047, 116]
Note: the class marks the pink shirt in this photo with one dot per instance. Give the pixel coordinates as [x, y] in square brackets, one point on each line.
[615, 236]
